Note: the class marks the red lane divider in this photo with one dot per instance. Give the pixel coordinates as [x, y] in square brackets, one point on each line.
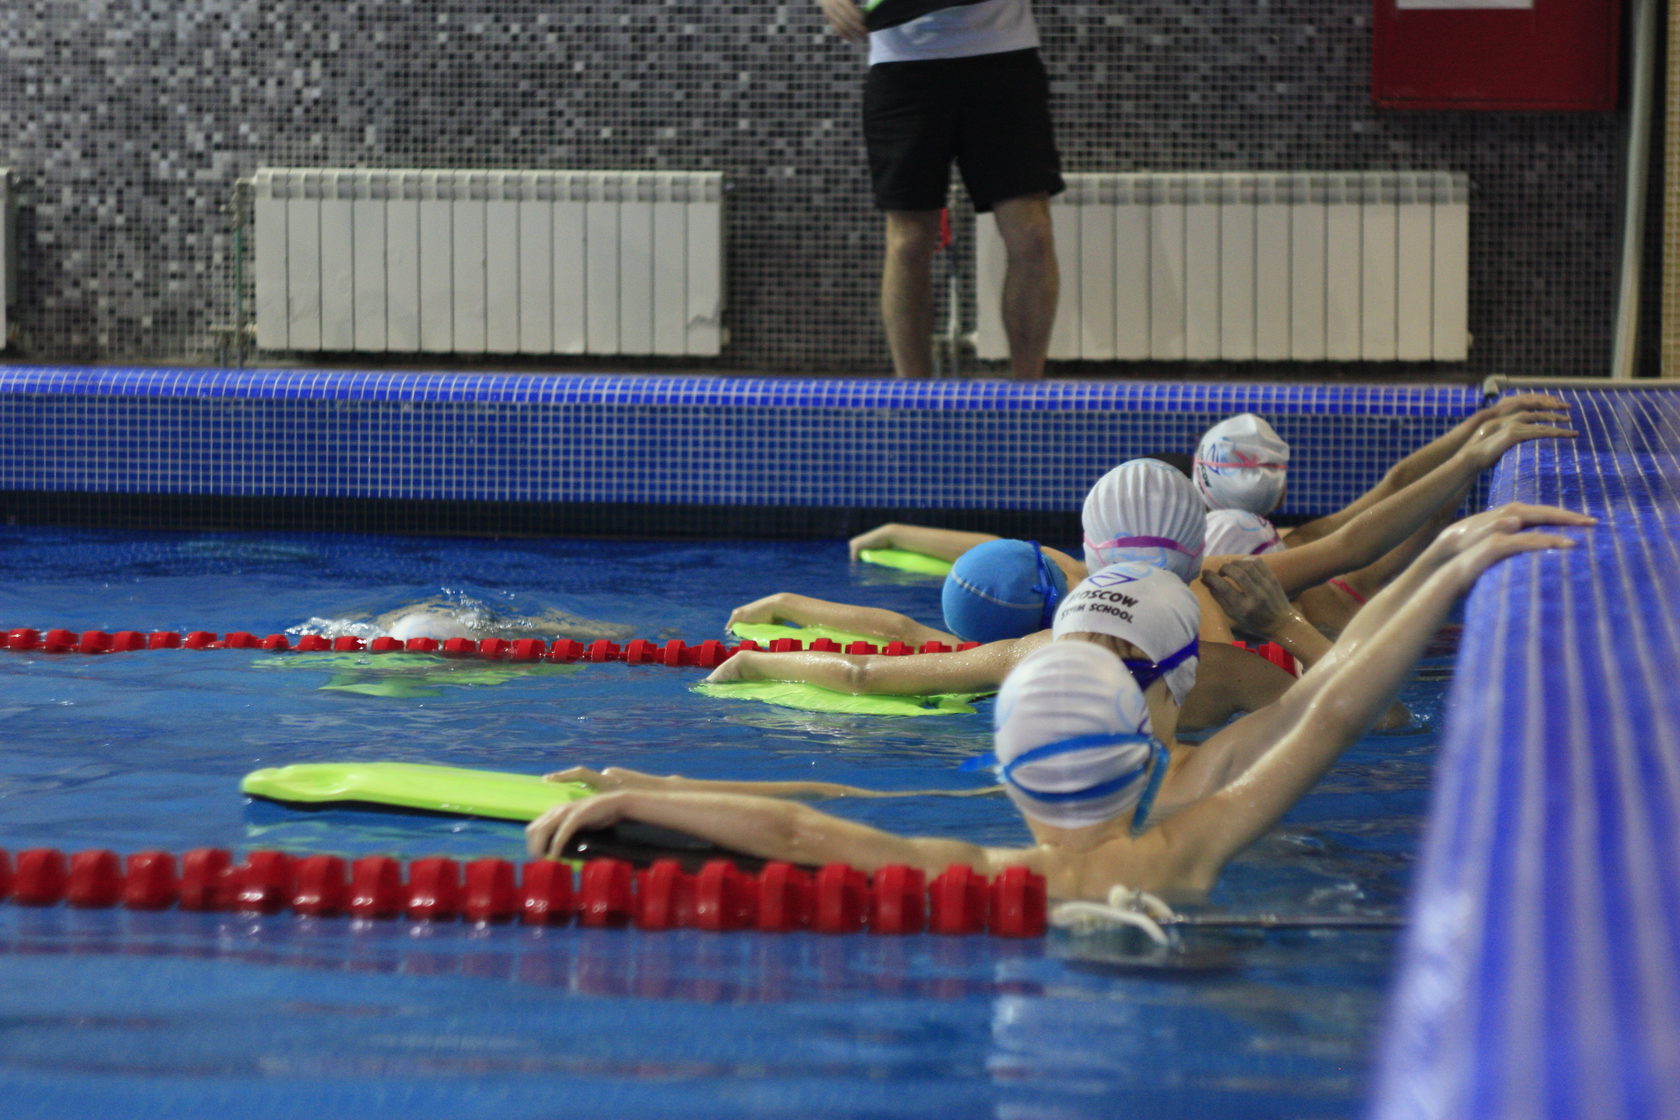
[608, 894]
[640, 651]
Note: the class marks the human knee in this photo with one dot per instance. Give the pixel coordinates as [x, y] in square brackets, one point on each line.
[1027, 232]
[911, 241]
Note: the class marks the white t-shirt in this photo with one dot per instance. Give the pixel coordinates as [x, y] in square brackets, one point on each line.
[991, 27]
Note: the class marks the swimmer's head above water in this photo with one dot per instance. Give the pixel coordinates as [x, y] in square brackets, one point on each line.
[1236, 532]
[1145, 511]
[1073, 745]
[1146, 608]
[430, 621]
[1242, 463]
[1001, 589]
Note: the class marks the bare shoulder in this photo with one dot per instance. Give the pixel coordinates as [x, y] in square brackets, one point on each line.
[1228, 681]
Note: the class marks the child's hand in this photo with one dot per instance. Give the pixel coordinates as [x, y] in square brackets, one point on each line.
[735, 669]
[613, 777]
[1525, 402]
[1485, 538]
[758, 611]
[1496, 437]
[879, 537]
[548, 835]
[1250, 595]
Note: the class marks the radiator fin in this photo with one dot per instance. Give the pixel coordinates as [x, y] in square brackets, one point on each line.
[1309, 266]
[489, 262]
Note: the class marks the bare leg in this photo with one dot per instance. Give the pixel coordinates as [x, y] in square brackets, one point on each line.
[1031, 281]
[907, 289]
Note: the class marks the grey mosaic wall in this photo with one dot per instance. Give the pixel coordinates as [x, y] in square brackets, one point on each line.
[127, 123]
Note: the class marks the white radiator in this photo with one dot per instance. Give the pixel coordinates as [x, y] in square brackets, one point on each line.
[8, 254]
[489, 262]
[1251, 267]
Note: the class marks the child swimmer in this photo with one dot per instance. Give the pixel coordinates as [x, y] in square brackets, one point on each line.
[1078, 748]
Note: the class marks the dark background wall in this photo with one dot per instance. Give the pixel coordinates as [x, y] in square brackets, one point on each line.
[127, 123]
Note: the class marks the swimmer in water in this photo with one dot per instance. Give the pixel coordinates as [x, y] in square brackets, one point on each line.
[1241, 465]
[443, 619]
[1171, 519]
[1148, 613]
[1079, 747]
[1145, 510]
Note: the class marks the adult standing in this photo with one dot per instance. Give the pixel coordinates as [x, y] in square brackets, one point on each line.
[959, 84]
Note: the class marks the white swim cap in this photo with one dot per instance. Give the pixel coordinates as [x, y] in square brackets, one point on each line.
[1144, 510]
[1236, 532]
[1073, 744]
[1145, 606]
[1240, 464]
[430, 622]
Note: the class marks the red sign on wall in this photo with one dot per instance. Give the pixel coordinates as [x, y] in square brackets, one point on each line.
[1496, 54]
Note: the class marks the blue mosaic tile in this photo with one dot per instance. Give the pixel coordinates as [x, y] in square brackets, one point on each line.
[1541, 975]
[688, 440]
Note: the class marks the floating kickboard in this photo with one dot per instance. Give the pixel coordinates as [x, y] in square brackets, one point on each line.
[766, 632]
[410, 785]
[480, 793]
[906, 561]
[810, 698]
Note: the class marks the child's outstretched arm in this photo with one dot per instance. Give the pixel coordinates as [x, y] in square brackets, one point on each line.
[758, 826]
[980, 669]
[1278, 759]
[619, 777]
[946, 544]
[1428, 457]
[1387, 524]
[803, 610]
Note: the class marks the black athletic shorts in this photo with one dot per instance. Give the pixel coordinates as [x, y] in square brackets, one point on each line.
[989, 113]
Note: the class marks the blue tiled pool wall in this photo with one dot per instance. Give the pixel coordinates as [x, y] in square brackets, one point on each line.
[123, 175]
[654, 442]
[1541, 975]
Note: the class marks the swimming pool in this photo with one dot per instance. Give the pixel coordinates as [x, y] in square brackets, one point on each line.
[116, 1012]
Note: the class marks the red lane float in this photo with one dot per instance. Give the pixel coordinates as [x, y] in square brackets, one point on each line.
[640, 651]
[607, 894]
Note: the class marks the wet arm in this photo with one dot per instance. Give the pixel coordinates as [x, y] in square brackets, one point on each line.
[946, 544]
[756, 826]
[803, 610]
[1385, 525]
[620, 778]
[1426, 459]
[980, 669]
[1251, 597]
[1337, 702]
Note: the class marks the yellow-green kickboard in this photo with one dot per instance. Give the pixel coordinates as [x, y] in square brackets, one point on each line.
[906, 561]
[811, 698]
[766, 632]
[413, 785]
[409, 676]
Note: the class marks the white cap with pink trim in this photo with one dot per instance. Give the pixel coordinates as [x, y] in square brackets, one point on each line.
[1241, 464]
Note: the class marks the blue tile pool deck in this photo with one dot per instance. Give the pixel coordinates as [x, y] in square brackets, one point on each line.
[1540, 977]
[678, 440]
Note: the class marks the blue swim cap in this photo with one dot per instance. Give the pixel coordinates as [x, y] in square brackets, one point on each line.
[1001, 589]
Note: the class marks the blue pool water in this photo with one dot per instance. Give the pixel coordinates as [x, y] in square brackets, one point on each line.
[188, 1015]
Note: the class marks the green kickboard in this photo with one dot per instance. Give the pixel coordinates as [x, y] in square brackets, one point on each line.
[408, 676]
[906, 561]
[412, 785]
[766, 632]
[810, 698]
